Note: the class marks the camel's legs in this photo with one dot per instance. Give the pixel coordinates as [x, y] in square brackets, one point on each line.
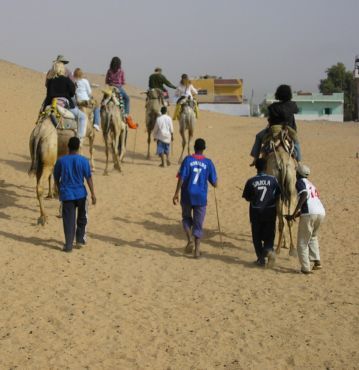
[123, 145]
[115, 141]
[292, 250]
[183, 135]
[106, 151]
[281, 232]
[148, 144]
[50, 193]
[190, 136]
[41, 176]
[91, 144]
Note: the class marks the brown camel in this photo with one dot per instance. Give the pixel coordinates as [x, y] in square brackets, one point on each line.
[281, 165]
[187, 120]
[114, 129]
[154, 103]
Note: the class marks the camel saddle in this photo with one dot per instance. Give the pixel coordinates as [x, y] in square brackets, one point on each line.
[60, 117]
[66, 119]
[279, 135]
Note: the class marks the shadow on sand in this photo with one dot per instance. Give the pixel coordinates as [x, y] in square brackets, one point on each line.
[175, 230]
[33, 240]
[173, 252]
[9, 197]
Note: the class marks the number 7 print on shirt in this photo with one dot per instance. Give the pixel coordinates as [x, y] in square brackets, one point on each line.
[198, 171]
[264, 189]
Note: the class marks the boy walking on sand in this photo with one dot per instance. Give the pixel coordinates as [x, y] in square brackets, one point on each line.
[262, 192]
[163, 134]
[69, 173]
[312, 213]
[193, 177]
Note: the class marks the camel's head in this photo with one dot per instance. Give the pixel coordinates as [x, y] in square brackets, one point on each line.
[154, 94]
[109, 94]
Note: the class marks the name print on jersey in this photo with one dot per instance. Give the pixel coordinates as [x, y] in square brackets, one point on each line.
[261, 183]
[198, 163]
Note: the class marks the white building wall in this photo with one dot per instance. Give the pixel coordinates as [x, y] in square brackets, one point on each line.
[231, 109]
[317, 117]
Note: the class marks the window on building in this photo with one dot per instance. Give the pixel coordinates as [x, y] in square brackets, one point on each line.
[202, 92]
[327, 111]
[300, 110]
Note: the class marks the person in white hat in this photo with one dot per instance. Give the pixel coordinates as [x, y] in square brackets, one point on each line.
[60, 59]
[311, 212]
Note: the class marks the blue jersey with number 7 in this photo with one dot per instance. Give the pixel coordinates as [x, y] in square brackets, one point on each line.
[196, 171]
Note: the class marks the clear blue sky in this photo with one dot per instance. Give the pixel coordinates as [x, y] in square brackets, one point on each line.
[264, 42]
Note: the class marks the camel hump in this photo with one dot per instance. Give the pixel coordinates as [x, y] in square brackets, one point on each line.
[279, 136]
[65, 113]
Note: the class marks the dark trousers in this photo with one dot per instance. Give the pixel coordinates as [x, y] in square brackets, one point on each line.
[70, 223]
[263, 233]
[193, 218]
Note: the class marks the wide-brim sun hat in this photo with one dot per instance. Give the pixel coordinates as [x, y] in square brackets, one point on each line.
[303, 170]
[62, 59]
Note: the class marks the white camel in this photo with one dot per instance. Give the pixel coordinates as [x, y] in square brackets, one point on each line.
[114, 129]
[187, 120]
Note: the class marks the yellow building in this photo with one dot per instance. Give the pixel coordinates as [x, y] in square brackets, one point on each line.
[218, 90]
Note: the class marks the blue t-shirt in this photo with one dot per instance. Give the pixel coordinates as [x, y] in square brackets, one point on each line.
[195, 172]
[71, 170]
[262, 191]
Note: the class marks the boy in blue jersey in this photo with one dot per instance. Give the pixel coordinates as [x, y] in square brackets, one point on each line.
[193, 177]
[262, 191]
[69, 173]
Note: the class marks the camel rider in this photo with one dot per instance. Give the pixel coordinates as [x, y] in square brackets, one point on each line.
[157, 81]
[185, 90]
[279, 113]
[63, 88]
[84, 96]
[115, 76]
[60, 59]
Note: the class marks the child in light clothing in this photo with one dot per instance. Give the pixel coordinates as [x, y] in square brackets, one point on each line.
[84, 95]
[163, 134]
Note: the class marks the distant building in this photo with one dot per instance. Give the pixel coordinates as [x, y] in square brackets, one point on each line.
[317, 106]
[221, 95]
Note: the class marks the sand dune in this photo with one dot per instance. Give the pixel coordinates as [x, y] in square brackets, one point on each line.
[131, 299]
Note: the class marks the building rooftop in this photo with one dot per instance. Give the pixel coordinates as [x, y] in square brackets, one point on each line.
[312, 97]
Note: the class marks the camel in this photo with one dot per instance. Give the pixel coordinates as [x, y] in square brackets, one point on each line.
[154, 103]
[46, 145]
[90, 131]
[114, 129]
[43, 151]
[187, 120]
[281, 165]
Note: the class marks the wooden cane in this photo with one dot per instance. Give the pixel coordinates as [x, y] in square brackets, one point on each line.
[219, 225]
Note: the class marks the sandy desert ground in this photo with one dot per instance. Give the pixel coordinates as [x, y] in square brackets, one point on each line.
[131, 299]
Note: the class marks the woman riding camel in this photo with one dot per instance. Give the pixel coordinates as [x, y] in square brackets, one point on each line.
[279, 113]
[184, 90]
[84, 96]
[115, 76]
[62, 88]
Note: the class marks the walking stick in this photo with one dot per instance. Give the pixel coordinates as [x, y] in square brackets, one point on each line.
[219, 225]
[134, 147]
